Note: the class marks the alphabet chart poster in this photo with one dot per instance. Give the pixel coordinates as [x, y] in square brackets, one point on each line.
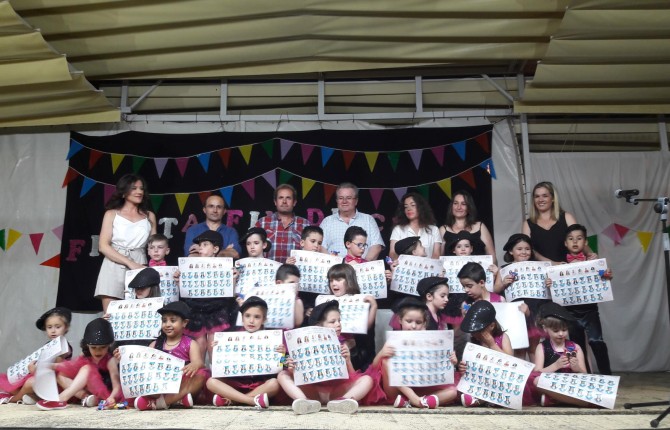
[168, 285]
[135, 319]
[246, 354]
[371, 278]
[316, 355]
[255, 272]
[354, 311]
[493, 376]
[580, 283]
[47, 352]
[421, 358]
[529, 280]
[600, 390]
[146, 371]
[410, 270]
[454, 264]
[206, 277]
[281, 304]
[314, 270]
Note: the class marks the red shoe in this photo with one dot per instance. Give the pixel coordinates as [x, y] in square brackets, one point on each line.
[468, 401]
[145, 404]
[186, 401]
[401, 402]
[430, 402]
[50, 405]
[221, 401]
[262, 401]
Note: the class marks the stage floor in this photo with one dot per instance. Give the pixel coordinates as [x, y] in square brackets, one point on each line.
[634, 387]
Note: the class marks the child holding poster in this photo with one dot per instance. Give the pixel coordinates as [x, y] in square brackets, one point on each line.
[248, 390]
[355, 241]
[256, 242]
[311, 239]
[473, 279]
[175, 317]
[55, 322]
[434, 291]
[412, 314]
[157, 248]
[290, 274]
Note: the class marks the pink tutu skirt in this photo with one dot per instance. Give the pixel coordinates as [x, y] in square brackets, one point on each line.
[8, 387]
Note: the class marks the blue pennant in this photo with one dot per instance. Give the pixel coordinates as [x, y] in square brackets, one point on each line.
[86, 186]
[204, 160]
[74, 148]
[460, 149]
[227, 193]
[488, 166]
[325, 155]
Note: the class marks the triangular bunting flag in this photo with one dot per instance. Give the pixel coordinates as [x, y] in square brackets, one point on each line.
[69, 176]
[181, 165]
[269, 147]
[423, 190]
[156, 201]
[271, 178]
[108, 190]
[328, 191]
[225, 156]
[74, 148]
[326, 153]
[645, 239]
[348, 158]
[181, 200]
[116, 161]
[2, 239]
[394, 157]
[469, 178]
[284, 176]
[52, 262]
[203, 196]
[488, 166]
[93, 158]
[160, 165]
[245, 150]
[250, 187]
[483, 141]
[613, 234]
[445, 186]
[376, 194]
[416, 157]
[438, 152]
[227, 194]
[372, 160]
[307, 185]
[285, 147]
[459, 147]
[204, 160]
[86, 186]
[58, 232]
[138, 162]
[621, 229]
[306, 152]
[36, 240]
[399, 192]
[12, 237]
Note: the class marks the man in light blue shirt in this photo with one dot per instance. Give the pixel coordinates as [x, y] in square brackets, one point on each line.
[335, 225]
[214, 209]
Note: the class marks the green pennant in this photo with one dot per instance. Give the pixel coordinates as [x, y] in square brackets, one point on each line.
[593, 243]
[269, 147]
[394, 157]
[2, 239]
[156, 201]
[423, 190]
[284, 177]
[137, 163]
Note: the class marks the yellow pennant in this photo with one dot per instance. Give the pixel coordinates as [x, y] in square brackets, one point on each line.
[372, 159]
[116, 161]
[645, 239]
[245, 150]
[307, 185]
[181, 200]
[12, 237]
[445, 185]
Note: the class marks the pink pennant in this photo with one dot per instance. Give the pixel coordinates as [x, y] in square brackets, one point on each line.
[250, 187]
[160, 165]
[416, 157]
[399, 192]
[376, 194]
[108, 191]
[306, 152]
[612, 233]
[621, 229]
[58, 232]
[285, 147]
[271, 177]
[438, 152]
[181, 165]
[36, 239]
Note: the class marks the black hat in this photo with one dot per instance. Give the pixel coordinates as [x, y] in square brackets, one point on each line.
[146, 277]
[480, 315]
[426, 284]
[259, 231]
[210, 236]
[514, 239]
[408, 302]
[555, 310]
[64, 312]
[319, 311]
[462, 235]
[177, 308]
[403, 245]
[253, 301]
[98, 332]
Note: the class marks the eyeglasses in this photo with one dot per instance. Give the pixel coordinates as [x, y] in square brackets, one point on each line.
[347, 198]
[361, 245]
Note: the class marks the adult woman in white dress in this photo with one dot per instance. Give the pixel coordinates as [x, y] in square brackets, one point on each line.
[415, 218]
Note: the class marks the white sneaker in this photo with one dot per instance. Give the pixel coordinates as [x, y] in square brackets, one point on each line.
[305, 406]
[89, 401]
[27, 400]
[343, 406]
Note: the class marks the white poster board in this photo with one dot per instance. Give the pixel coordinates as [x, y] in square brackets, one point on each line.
[255, 272]
[135, 319]
[281, 304]
[316, 355]
[421, 358]
[146, 371]
[47, 352]
[246, 354]
[169, 287]
[600, 390]
[410, 270]
[513, 323]
[580, 283]
[205, 277]
[354, 311]
[453, 264]
[529, 283]
[371, 278]
[314, 268]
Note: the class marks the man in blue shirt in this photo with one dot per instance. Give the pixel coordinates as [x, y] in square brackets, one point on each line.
[214, 209]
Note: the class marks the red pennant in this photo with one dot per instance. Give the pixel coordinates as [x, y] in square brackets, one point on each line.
[376, 194]
[52, 262]
[250, 187]
[306, 152]
[93, 158]
[483, 141]
[328, 190]
[225, 156]
[203, 196]
[181, 165]
[108, 190]
[438, 152]
[36, 239]
[348, 158]
[69, 176]
[469, 178]
[622, 230]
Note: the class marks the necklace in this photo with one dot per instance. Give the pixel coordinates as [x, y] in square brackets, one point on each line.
[173, 344]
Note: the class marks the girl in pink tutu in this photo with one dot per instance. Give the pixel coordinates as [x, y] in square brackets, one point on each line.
[92, 376]
[55, 322]
[434, 291]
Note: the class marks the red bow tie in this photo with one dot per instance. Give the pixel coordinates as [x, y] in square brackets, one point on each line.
[576, 257]
[349, 258]
[153, 263]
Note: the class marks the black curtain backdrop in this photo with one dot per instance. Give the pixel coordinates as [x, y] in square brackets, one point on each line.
[465, 153]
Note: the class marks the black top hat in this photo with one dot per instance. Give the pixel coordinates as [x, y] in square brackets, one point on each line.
[99, 332]
[426, 284]
[461, 235]
[403, 245]
[514, 239]
[408, 302]
[319, 311]
[259, 231]
[210, 236]
[253, 301]
[146, 277]
[555, 310]
[480, 315]
[177, 308]
[64, 312]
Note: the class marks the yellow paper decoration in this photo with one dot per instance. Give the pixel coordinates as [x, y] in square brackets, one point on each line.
[12, 237]
[445, 185]
[116, 161]
[307, 185]
[181, 201]
[245, 150]
[645, 239]
[372, 159]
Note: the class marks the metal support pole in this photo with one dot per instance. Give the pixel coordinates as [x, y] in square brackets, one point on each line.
[223, 98]
[418, 94]
[663, 133]
[321, 108]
